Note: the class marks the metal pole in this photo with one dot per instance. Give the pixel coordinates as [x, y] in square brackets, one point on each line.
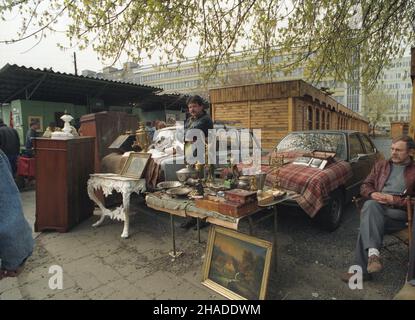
[74, 62]
[198, 230]
[173, 234]
[251, 226]
[275, 236]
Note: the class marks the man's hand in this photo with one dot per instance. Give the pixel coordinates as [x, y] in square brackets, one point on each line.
[382, 198]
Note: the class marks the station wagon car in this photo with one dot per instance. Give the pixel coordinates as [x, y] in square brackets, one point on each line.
[355, 155]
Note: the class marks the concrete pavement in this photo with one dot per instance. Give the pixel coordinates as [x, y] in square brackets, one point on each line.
[98, 264]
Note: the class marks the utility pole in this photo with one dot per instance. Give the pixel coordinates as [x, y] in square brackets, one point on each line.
[74, 62]
[412, 124]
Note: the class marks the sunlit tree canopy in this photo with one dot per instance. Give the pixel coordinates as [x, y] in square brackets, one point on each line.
[329, 38]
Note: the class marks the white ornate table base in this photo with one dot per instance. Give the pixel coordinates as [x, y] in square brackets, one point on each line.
[109, 182]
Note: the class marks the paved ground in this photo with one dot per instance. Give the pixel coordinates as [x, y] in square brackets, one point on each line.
[98, 264]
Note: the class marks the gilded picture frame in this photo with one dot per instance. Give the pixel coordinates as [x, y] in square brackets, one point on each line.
[135, 165]
[237, 265]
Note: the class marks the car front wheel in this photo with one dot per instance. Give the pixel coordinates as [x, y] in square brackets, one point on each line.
[330, 215]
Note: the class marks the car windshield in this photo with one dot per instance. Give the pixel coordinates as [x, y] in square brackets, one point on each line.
[312, 141]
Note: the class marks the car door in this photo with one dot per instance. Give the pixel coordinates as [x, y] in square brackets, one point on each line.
[360, 165]
[370, 150]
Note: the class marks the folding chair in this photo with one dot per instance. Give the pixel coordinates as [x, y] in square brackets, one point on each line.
[403, 236]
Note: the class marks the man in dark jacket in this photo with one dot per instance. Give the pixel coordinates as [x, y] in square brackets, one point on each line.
[385, 210]
[30, 135]
[198, 119]
[9, 144]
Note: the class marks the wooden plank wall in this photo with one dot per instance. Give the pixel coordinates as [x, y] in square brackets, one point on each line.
[280, 107]
[271, 116]
[336, 120]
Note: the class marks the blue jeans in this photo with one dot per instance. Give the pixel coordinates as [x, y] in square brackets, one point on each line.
[16, 241]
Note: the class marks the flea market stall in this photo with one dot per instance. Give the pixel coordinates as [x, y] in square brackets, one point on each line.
[281, 107]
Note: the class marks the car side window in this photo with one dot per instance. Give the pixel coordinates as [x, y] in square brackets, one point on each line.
[355, 147]
[368, 145]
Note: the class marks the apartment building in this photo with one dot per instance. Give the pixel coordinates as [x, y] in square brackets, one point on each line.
[186, 77]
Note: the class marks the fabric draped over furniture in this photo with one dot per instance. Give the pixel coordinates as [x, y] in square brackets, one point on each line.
[312, 185]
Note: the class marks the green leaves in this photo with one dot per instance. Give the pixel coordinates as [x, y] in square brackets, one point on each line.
[329, 38]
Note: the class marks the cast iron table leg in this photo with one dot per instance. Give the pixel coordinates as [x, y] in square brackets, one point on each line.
[198, 230]
[173, 234]
[275, 237]
[251, 226]
[175, 254]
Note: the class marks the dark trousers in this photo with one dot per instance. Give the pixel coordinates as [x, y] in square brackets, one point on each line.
[13, 163]
[375, 221]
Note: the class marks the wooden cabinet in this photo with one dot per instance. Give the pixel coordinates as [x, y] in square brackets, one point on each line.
[62, 172]
[106, 126]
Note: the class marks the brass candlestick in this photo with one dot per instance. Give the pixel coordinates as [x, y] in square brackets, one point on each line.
[276, 163]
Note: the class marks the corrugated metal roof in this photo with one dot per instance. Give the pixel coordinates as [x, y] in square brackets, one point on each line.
[168, 101]
[19, 82]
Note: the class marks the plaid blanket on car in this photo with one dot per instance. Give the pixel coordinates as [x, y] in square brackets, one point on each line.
[313, 185]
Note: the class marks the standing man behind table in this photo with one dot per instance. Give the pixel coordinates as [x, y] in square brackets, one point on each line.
[385, 211]
[31, 133]
[198, 119]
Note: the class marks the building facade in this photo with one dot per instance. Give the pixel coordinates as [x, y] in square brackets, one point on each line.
[396, 82]
[186, 77]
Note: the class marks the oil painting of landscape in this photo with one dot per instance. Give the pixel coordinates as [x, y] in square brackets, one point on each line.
[238, 263]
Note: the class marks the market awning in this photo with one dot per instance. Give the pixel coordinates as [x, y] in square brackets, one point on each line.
[164, 101]
[46, 85]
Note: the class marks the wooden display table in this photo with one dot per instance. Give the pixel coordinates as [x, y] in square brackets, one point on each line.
[187, 208]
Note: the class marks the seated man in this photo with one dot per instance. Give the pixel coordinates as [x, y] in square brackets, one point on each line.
[385, 209]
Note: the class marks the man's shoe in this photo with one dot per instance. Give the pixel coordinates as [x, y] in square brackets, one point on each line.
[374, 264]
[202, 224]
[188, 224]
[345, 277]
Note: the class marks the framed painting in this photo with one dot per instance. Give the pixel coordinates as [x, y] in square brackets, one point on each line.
[38, 119]
[237, 265]
[135, 165]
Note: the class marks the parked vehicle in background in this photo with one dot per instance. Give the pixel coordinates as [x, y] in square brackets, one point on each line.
[353, 147]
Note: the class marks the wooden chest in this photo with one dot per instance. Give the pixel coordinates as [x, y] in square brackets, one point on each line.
[209, 204]
[237, 210]
[241, 196]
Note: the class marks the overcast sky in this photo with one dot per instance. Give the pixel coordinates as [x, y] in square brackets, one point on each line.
[46, 54]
